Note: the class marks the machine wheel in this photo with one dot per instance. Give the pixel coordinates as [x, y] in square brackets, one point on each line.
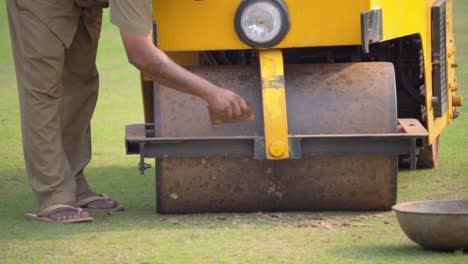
[353, 98]
[428, 157]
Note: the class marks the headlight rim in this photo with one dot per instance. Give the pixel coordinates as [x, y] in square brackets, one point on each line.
[285, 27]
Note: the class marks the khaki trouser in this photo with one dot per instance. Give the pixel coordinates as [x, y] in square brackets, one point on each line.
[58, 87]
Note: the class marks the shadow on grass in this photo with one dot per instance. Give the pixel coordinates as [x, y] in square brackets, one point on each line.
[404, 252]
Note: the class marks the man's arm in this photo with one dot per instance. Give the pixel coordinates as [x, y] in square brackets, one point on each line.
[156, 64]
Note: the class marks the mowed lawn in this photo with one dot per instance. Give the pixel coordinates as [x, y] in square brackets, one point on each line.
[141, 236]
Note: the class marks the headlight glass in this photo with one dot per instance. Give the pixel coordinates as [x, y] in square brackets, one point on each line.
[261, 22]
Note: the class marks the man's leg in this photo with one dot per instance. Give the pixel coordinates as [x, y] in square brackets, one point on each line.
[81, 85]
[39, 59]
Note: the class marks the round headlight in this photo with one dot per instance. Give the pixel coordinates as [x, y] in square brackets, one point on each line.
[262, 23]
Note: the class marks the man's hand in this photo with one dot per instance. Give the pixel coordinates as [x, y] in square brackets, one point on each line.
[225, 102]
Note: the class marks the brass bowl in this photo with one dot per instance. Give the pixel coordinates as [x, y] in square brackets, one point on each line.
[435, 225]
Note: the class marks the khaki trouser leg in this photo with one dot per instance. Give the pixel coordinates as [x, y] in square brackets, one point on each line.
[81, 84]
[39, 60]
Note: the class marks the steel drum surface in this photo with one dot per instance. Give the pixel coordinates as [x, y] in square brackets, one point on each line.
[357, 98]
[438, 225]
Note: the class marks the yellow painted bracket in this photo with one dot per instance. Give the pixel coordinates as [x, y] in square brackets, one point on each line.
[146, 84]
[274, 104]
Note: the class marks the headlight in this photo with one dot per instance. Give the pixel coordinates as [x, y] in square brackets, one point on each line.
[262, 23]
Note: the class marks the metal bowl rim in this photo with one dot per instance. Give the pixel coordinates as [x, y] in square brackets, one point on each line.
[394, 208]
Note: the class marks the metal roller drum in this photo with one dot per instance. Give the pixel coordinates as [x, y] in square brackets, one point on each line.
[358, 98]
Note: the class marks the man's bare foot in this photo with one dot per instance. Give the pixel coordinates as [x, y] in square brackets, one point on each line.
[97, 202]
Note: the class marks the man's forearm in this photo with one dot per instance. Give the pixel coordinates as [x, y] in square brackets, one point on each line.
[156, 64]
[167, 72]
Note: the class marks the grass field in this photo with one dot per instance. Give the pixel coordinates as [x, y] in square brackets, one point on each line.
[140, 236]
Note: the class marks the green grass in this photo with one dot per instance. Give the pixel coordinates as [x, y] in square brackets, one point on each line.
[140, 236]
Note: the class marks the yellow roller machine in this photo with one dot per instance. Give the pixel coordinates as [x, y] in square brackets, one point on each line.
[342, 91]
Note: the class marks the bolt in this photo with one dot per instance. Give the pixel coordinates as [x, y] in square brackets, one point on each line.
[457, 100]
[142, 167]
[277, 148]
[453, 86]
[452, 52]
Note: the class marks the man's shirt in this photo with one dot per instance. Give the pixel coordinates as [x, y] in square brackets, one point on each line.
[131, 16]
[61, 16]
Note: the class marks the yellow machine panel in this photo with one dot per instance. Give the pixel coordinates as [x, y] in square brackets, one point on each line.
[209, 24]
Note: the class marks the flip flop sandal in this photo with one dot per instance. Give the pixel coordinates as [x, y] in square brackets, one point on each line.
[44, 215]
[99, 197]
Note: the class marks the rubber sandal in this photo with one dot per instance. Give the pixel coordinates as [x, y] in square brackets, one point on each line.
[44, 215]
[99, 197]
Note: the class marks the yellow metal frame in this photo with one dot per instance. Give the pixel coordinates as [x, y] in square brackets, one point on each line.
[408, 17]
[185, 27]
[274, 104]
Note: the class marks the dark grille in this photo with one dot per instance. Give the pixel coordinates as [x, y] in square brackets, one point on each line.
[439, 57]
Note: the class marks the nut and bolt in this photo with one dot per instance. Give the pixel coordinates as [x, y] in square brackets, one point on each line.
[457, 100]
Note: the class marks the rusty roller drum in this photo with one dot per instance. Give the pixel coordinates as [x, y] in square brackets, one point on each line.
[357, 98]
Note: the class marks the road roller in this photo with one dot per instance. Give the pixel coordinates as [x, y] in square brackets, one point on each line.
[343, 93]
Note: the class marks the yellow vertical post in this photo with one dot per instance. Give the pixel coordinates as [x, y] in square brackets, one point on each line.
[147, 97]
[274, 104]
